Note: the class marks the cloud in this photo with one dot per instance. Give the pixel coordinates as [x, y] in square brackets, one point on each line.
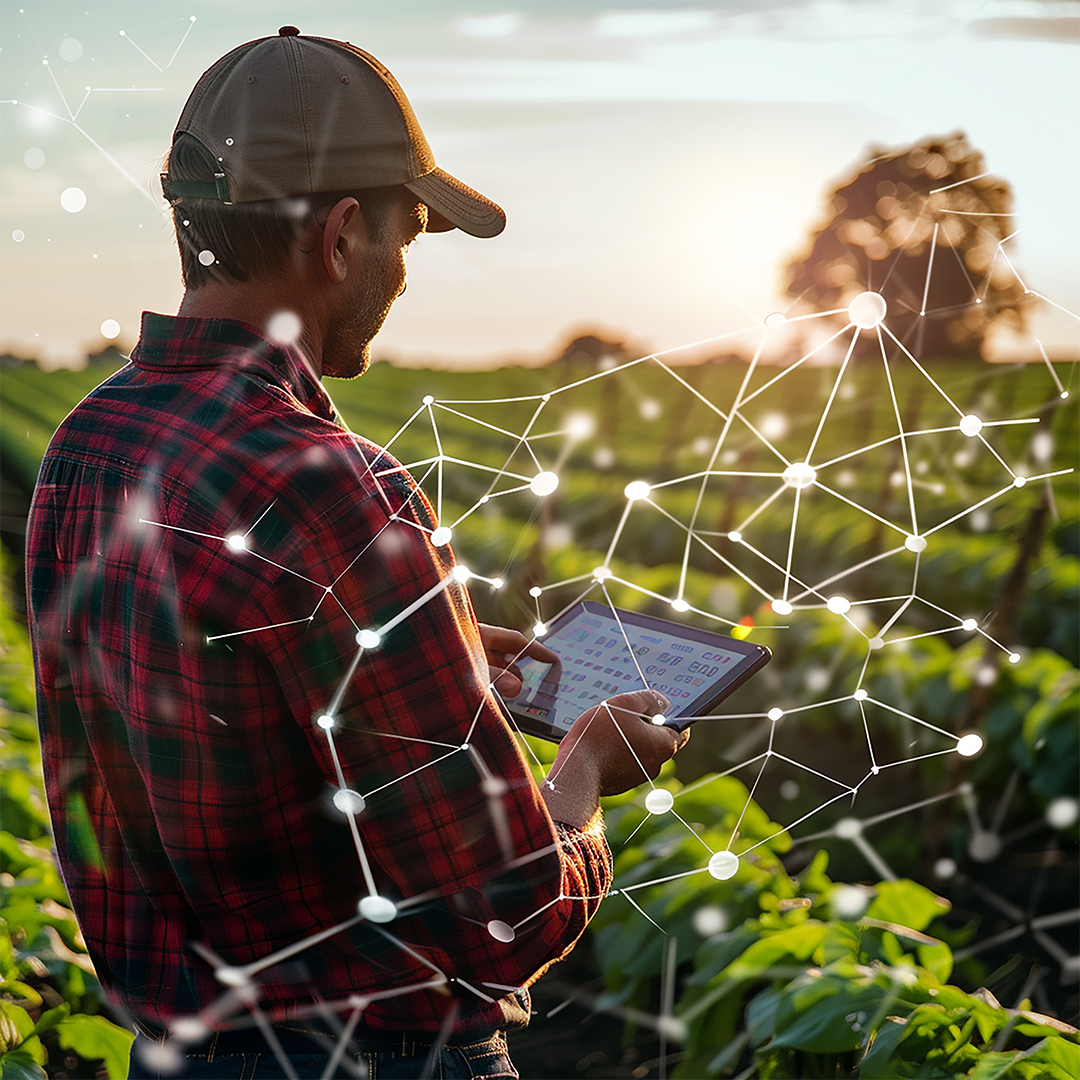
[1065, 30]
[502, 24]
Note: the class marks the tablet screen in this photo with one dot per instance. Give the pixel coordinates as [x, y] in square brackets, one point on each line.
[605, 652]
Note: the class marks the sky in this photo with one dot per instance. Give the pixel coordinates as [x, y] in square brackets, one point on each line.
[658, 163]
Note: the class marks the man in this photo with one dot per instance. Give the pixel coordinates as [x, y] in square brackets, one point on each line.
[290, 816]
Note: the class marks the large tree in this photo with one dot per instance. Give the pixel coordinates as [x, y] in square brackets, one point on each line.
[926, 226]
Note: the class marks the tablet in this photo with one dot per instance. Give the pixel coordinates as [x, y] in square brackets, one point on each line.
[606, 651]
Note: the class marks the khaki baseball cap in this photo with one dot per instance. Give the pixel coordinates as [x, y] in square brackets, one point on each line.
[296, 115]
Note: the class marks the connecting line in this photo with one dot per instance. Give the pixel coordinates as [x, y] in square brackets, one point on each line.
[798, 821]
[1053, 373]
[870, 853]
[523, 440]
[791, 542]
[344, 1039]
[764, 558]
[816, 589]
[958, 183]
[630, 650]
[405, 776]
[693, 390]
[900, 425]
[861, 509]
[869, 744]
[667, 599]
[883, 442]
[930, 267]
[908, 716]
[270, 1035]
[920, 757]
[750, 796]
[791, 367]
[618, 531]
[642, 911]
[412, 952]
[832, 396]
[806, 768]
[300, 946]
[358, 843]
[1047, 299]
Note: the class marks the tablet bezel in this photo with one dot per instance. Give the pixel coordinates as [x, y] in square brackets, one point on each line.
[702, 705]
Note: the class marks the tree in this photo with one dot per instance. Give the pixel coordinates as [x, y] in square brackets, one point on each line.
[926, 226]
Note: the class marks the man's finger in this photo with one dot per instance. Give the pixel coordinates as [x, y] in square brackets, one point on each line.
[513, 643]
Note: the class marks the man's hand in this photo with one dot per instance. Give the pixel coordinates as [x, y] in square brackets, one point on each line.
[611, 748]
[502, 647]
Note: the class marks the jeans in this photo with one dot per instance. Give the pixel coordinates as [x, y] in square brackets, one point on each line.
[381, 1059]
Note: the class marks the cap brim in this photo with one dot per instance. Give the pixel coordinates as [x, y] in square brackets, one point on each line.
[454, 205]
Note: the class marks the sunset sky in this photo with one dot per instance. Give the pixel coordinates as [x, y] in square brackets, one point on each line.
[657, 162]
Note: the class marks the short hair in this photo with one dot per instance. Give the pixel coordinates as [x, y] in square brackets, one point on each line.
[250, 240]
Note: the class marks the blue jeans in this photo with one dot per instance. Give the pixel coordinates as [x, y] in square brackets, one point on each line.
[381, 1059]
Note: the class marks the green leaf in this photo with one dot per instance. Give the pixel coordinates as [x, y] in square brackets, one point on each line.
[825, 1012]
[906, 903]
[875, 1062]
[796, 944]
[937, 959]
[21, 1065]
[93, 1038]
[49, 1019]
[15, 1025]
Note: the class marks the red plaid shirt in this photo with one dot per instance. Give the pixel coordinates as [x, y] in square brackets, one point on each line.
[180, 675]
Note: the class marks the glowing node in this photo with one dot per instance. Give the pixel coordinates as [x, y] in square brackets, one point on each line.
[378, 909]
[781, 607]
[789, 790]
[231, 976]
[110, 329]
[326, 722]
[545, 397]
[440, 537]
[497, 583]
[349, 802]
[236, 542]
[1014, 658]
[161, 1057]
[710, 920]
[680, 605]
[970, 425]
[659, 801]
[637, 489]
[1063, 812]
[649, 409]
[969, 745]
[984, 846]
[659, 719]
[188, 1029]
[867, 310]
[368, 639]
[536, 591]
[580, 426]
[428, 399]
[206, 257]
[34, 157]
[874, 770]
[543, 483]
[602, 573]
[73, 199]
[461, 574]
[848, 828]
[915, 543]
[284, 327]
[986, 675]
[860, 694]
[1064, 394]
[539, 629]
[773, 425]
[494, 787]
[838, 605]
[848, 902]
[876, 643]
[799, 474]
[501, 931]
[18, 236]
[485, 499]
[775, 714]
[945, 869]
[1019, 481]
[775, 319]
[604, 457]
[970, 624]
[723, 865]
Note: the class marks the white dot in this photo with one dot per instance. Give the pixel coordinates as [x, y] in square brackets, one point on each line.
[848, 902]
[283, 327]
[679, 605]
[18, 236]
[847, 828]
[602, 573]
[546, 397]
[231, 976]
[710, 920]
[536, 591]
[110, 329]
[70, 50]
[723, 865]
[735, 536]
[969, 745]
[1062, 812]
[867, 310]
[876, 643]
[428, 399]
[497, 583]
[326, 722]
[228, 142]
[781, 607]
[543, 483]
[789, 789]
[838, 605]
[349, 802]
[1064, 394]
[461, 574]
[604, 457]
[1019, 481]
[580, 426]
[970, 425]
[1014, 658]
[378, 909]
[73, 199]
[799, 474]
[860, 694]
[915, 543]
[236, 542]
[501, 931]
[984, 846]
[34, 157]
[637, 489]
[649, 409]
[160, 1057]
[970, 624]
[188, 1029]
[659, 801]
[775, 714]
[368, 639]
[440, 537]
[986, 675]
[775, 319]
[945, 869]
[206, 257]
[539, 629]
[659, 719]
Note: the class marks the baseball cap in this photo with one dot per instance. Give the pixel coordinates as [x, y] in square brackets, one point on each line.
[296, 115]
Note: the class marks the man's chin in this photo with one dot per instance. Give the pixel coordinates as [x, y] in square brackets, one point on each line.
[348, 367]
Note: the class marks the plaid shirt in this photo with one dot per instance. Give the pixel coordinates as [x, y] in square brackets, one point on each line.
[205, 543]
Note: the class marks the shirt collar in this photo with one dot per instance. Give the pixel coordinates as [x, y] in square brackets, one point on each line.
[172, 343]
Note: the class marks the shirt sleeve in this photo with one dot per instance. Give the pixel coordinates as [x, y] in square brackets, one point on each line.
[451, 827]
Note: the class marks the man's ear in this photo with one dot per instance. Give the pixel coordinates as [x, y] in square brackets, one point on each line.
[338, 235]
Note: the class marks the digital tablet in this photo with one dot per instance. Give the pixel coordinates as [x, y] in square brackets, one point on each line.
[605, 651]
